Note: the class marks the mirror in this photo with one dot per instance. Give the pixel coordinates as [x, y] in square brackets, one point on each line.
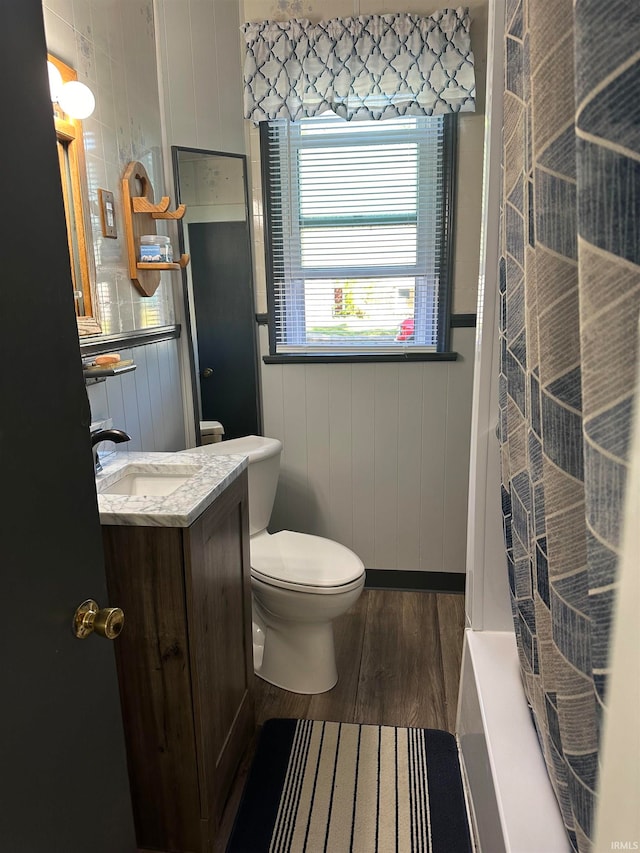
[70, 145]
[219, 286]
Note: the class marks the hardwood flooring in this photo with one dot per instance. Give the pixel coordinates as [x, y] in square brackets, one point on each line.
[398, 656]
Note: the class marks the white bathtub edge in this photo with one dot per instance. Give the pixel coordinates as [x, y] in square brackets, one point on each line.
[508, 783]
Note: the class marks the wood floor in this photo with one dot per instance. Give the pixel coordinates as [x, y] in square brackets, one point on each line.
[398, 656]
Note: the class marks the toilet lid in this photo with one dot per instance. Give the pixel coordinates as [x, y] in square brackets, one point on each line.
[299, 558]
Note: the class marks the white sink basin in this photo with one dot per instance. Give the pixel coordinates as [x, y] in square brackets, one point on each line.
[149, 480]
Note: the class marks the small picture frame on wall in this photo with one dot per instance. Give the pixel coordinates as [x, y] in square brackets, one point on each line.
[107, 213]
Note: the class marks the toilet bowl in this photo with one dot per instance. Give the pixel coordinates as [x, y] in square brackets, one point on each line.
[300, 583]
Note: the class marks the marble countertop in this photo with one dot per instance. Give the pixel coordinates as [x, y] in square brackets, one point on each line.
[178, 509]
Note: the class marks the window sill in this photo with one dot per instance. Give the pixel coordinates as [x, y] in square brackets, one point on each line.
[340, 358]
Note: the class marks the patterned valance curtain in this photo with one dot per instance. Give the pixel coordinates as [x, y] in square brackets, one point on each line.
[570, 298]
[370, 67]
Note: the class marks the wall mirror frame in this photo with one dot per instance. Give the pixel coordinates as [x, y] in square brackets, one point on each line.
[73, 176]
[219, 303]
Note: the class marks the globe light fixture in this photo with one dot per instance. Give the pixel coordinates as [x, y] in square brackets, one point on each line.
[74, 98]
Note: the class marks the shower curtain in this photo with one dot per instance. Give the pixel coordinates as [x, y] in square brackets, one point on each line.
[570, 298]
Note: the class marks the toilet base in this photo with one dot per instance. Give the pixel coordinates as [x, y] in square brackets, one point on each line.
[294, 632]
[300, 659]
[258, 646]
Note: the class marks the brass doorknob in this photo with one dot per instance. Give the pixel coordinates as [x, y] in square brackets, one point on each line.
[89, 618]
[207, 372]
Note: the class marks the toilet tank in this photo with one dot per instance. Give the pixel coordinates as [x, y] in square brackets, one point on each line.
[264, 466]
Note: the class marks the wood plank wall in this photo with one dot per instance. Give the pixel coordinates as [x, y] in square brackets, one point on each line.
[376, 456]
[146, 403]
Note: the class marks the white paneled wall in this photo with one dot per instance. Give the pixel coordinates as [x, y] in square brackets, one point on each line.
[147, 402]
[199, 51]
[376, 456]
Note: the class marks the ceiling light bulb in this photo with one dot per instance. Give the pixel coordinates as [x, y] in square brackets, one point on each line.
[55, 81]
[77, 100]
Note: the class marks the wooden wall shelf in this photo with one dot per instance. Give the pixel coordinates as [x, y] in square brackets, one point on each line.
[140, 215]
[184, 260]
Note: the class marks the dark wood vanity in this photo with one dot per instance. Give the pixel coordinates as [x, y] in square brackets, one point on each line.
[185, 667]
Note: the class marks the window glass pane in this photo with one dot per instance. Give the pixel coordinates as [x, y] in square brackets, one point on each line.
[328, 123]
[369, 181]
[347, 312]
[357, 218]
[378, 246]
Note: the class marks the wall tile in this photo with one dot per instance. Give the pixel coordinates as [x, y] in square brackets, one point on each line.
[201, 18]
[178, 73]
[60, 37]
[200, 63]
[228, 43]
[63, 9]
[100, 13]
[115, 44]
[88, 35]
[82, 18]
[105, 104]
[94, 149]
[85, 63]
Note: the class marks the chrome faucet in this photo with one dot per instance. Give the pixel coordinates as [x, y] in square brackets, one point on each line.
[115, 435]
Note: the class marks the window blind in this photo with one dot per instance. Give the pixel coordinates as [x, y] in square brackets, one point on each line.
[358, 224]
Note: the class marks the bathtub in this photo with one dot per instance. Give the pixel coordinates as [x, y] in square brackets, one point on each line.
[512, 804]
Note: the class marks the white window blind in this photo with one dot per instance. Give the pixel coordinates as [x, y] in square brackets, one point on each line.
[358, 225]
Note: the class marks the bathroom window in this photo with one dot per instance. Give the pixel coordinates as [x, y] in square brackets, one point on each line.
[359, 235]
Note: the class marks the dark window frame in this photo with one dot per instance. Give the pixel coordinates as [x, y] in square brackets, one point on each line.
[446, 268]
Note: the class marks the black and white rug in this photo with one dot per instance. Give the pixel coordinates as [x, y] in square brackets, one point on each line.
[317, 787]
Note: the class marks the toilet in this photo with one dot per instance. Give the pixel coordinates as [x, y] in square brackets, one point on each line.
[211, 432]
[300, 583]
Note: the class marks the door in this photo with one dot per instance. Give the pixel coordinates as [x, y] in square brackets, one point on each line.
[215, 233]
[64, 786]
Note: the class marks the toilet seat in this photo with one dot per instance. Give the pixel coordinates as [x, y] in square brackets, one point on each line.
[299, 561]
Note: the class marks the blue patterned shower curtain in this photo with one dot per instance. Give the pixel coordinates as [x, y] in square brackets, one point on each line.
[570, 298]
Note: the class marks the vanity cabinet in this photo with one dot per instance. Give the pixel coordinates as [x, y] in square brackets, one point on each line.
[185, 667]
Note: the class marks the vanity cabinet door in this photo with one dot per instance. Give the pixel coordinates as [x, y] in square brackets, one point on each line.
[145, 576]
[185, 665]
[218, 587]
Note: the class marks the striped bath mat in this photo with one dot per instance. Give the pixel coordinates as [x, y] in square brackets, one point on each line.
[318, 787]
